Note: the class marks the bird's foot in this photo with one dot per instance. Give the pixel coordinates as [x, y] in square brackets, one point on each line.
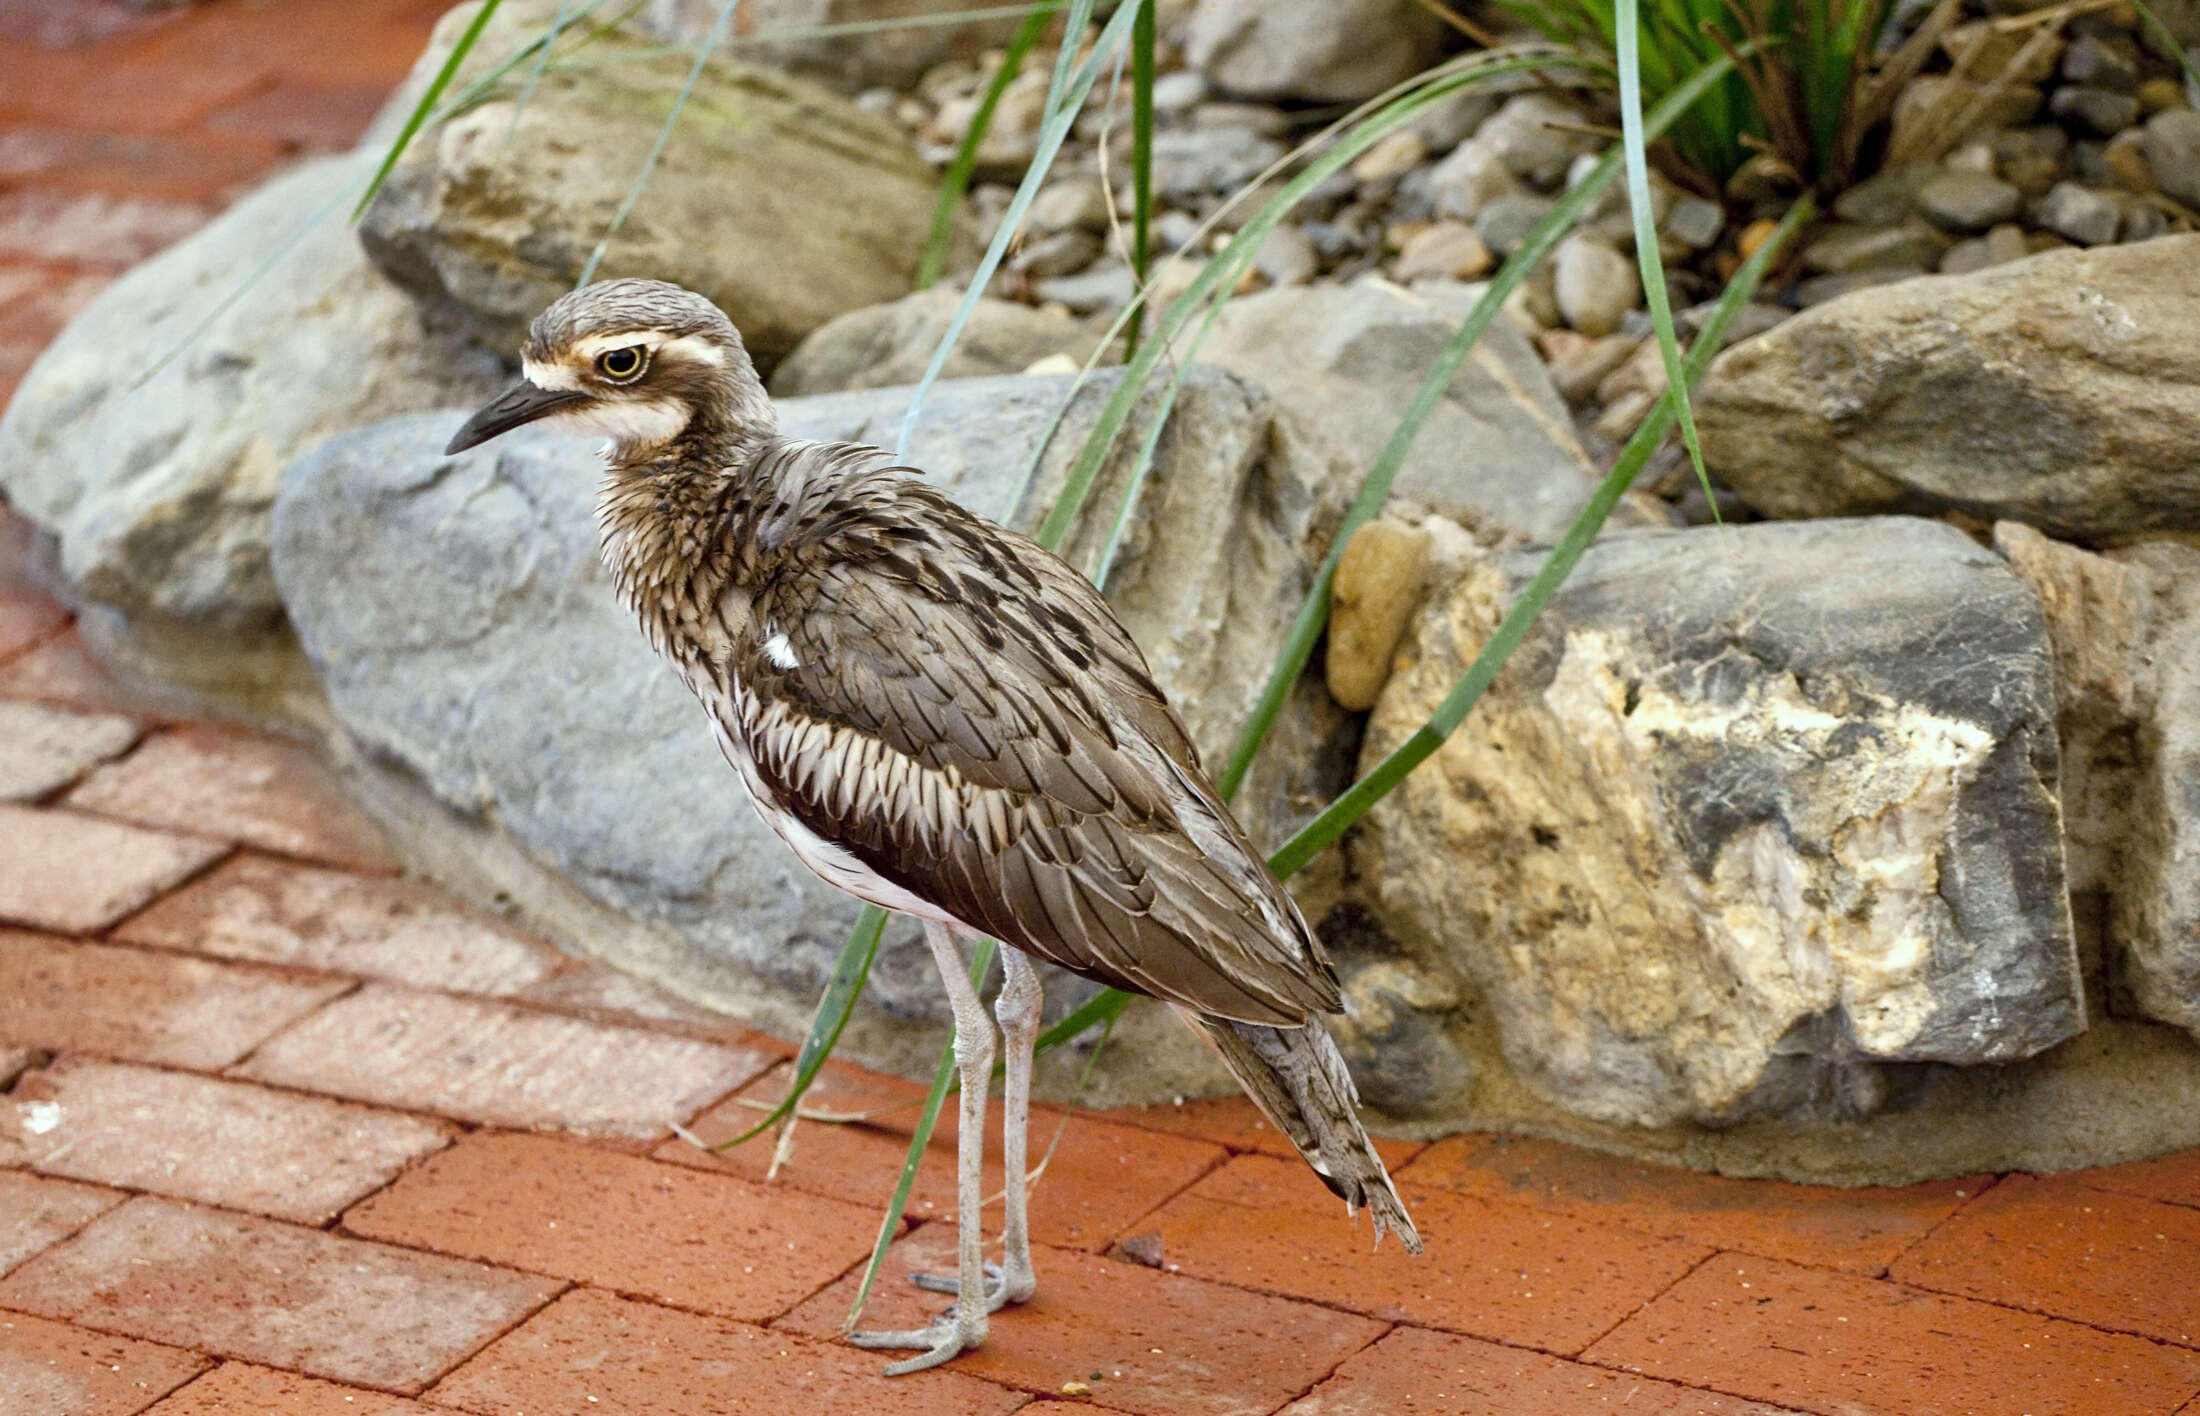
[1002, 1288]
[943, 1341]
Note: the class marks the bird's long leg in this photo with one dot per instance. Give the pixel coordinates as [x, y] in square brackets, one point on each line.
[964, 1326]
[1017, 1009]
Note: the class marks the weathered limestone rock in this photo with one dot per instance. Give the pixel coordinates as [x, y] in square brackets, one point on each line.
[1754, 812]
[1498, 452]
[507, 680]
[1322, 51]
[2059, 391]
[2126, 631]
[880, 346]
[778, 199]
[159, 494]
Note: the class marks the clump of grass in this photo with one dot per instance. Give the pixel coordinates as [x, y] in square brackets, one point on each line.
[1798, 66]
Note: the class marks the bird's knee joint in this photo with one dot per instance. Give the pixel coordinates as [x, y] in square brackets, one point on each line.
[974, 1049]
[1017, 1011]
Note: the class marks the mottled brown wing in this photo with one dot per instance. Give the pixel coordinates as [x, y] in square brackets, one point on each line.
[963, 714]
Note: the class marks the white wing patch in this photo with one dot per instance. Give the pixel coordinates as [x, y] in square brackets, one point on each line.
[778, 650]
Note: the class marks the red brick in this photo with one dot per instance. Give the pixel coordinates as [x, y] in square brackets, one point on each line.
[25, 620]
[192, 169]
[62, 870]
[503, 1066]
[35, 1213]
[2055, 1246]
[584, 988]
[2173, 1179]
[708, 1242]
[196, 1138]
[62, 670]
[1866, 1347]
[127, 95]
[240, 1389]
[310, 116]
[590, 1353]
[63, 24]
[141, 1007]
[1860, 1230]
[51, 1369]
[1234, 1122]
[1101, 1178]
[296, 1298]
[274, 795]
[1437, 1374]
[1504, 1272]
[43, 749]
[275, 912]
[1163, 1344]
[91, 228]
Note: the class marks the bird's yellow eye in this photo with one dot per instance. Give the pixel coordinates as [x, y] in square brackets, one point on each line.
[622, 364]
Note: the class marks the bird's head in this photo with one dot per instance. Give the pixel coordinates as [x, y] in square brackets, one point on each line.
[638, 361]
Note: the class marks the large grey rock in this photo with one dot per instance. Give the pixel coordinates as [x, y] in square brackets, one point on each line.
[455, 612]
[2126, 631]
[893, 55]
[2058, 391]
[159, 494]
[778, 199]
[1497, 454]
[1324, 51]
[1753, 813]
[881, 346]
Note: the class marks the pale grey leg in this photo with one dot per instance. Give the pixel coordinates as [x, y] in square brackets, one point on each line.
[1017, 1008]
[964, 1327]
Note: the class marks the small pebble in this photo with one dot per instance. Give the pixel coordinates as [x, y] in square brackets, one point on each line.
[2172, 146]
[1446, 250]
[2161, 95]
[1695, 222]
[1594, 285]
[1754, 235]
[1578, 367]
[2100, 112]
[1845, 248]
[1287, 257]
[1392, 156]
[1178, 91]
[1976, 155]
[2125, 158]
[2006, 243]
[1967, 201]
[2102, 61]
[1506, 222]
[1470, 179]
[1059, 253]
[2087, 217]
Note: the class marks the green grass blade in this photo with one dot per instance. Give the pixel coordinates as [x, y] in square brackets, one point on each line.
[1647, 258]
[1306, 626]
[1363, 794]
[1142, 42]
[558, 22]
[955, 181]
[890, 1222]
[664, 136]
[834, 1008]
[419, 115]
[1064, 98]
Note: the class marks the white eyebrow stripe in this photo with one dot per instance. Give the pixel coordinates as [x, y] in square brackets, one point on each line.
[588, 348]
[543, 375]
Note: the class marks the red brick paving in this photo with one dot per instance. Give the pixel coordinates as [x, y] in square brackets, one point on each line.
[591, 1352]
[1497, 1271]
[277, 912]
[1101, 1180]
[1838, 1343]
[709, 1242]
[278, 1294]
[241, 1389]
[1861, 1230]
[137, 1006]
[252, 1045]
[1163, 1344]
[197, 1138]
[1437, 1374]
[2058, 1246]
[50, 1367]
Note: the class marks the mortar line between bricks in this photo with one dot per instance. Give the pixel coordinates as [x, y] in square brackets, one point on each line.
[1934, 1228]
[1638, 1310]
[1926, 1290]
[1130, 1226]
[2100, 1189]
[1309, 1388]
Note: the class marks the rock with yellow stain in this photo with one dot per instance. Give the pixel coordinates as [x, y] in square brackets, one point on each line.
[1377, 585]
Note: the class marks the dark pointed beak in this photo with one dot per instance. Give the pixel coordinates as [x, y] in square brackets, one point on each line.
[523, 402]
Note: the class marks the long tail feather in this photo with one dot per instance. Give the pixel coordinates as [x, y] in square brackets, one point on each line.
[1298, 1079]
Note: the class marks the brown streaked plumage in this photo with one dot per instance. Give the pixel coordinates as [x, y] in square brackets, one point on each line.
[941, 717]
